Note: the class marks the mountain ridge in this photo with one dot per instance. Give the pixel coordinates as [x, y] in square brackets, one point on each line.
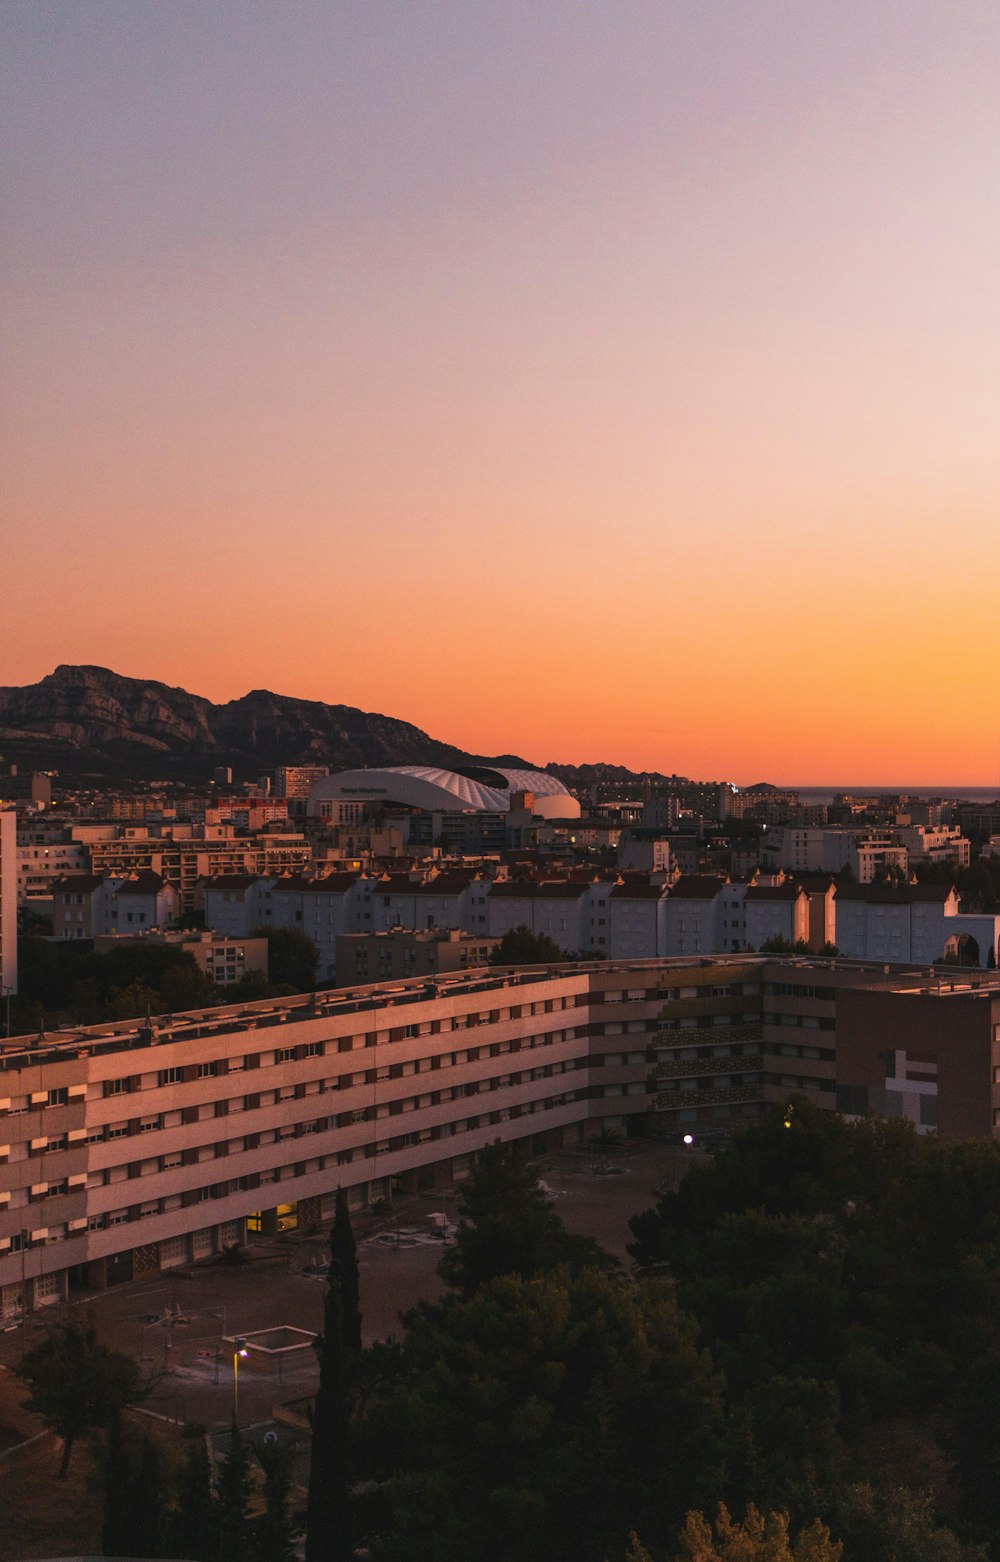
[85, 720]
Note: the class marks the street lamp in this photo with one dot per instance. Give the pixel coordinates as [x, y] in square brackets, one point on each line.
[239, 1349]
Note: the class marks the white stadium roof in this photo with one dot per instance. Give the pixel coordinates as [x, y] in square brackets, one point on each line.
[479, 788]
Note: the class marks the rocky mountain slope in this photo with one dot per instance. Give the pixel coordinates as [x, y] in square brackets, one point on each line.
[90, 722]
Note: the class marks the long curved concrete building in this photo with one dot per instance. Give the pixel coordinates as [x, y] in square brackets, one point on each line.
[475, 788]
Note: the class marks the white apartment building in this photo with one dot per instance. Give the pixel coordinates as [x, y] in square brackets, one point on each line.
[776, 911]
[795, 848]
[85, 905]
[869, 854]
[40, 862]
[911, 922]
[939, 843]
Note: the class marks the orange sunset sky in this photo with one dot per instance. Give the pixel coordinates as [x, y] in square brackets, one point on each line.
[582, 380]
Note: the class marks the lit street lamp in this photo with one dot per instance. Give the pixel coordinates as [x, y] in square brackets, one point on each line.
[239, 1349]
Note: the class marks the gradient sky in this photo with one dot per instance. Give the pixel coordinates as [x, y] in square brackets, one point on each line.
[592, 381]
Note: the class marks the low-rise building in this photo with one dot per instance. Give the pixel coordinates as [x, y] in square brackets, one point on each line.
[85, 905]
[382, 957]
[225, 961]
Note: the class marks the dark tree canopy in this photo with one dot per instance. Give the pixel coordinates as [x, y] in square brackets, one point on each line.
[76, 1383]
[507, 1225]
[544, 1418]
[520, 946]
[292, 958]
[330, 1507]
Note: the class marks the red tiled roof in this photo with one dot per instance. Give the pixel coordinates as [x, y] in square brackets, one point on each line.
[445, 884]
[698, 886]
[142, 884]
[637, 891]
[332, 883]
[787, 891]
[78, 883]
[883, 894]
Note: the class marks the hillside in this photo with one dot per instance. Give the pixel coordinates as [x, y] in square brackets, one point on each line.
[90, 723]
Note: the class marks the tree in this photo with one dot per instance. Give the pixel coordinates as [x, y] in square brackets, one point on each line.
[329, 1509]
[192, 1526]
[233, 1493]
[804, 1161]
[272, 1532]
[507, 1226]
[784, 946]
[77, 1384]
[292, 958]
[133, 1509]
[520, 946]
[756, 1539]
[344, 1261]
[543, 1418]
[893, 1524]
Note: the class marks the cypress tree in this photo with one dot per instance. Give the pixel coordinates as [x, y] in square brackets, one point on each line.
[344, 1260]
[193, 1527]
[133, 1505]
[233, 1495]
[328, 1511]
[272, 1538]
[115, 1475]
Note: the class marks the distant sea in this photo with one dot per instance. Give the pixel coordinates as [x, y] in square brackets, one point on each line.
[968, 794]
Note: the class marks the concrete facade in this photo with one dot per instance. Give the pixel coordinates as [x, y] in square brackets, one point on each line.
[133, 1147]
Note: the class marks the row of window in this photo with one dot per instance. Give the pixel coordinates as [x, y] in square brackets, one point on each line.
[297, 1169]
[208, 1110]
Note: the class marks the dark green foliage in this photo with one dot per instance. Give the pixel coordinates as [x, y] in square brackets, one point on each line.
[192, 1525]
[76, 1383]
[273, 1539]
[978, 884]
[122, 984]
[817, 1166]
[892, 1524]
[292, 958]
[831, 1318]
[233, 1489]
[542, 1418]
[133, 1509]
[972, 1437]
[507, 1226]
[844, 1274]
[344, 1263]
[330, 1519]
[784, 946]
[520, 946]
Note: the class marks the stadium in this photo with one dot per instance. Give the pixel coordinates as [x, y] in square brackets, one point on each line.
[429, 789]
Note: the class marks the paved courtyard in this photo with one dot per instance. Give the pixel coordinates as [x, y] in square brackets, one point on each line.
[175, 1323]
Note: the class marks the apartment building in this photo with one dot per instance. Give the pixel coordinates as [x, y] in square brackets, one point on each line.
[798, 848]
[134, 1147]
[382, 957]
[86, 905]
[870, 854]
[297, 781]
[184, 854]
[44, 854]
[912, 922]
[939, 843]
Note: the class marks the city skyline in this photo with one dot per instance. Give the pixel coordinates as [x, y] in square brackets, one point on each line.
[590, 384]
